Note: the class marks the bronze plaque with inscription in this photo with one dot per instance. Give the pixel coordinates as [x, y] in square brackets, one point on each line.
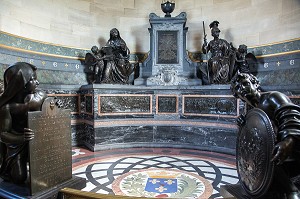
[50, 152]
[167, 47]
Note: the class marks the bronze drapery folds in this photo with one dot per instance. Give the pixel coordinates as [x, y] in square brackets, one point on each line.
[225, 59]
[110, 64]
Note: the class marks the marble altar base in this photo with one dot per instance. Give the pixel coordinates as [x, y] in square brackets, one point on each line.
[195, 117]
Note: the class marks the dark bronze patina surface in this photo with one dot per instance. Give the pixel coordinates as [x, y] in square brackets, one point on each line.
[50, 151]
[267, 168]
[255, 143]
[167, 7]
[110, 63]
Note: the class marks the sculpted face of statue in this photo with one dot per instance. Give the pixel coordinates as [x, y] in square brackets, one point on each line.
[246, 87]
[114, 33]
[215, 32]
[32, 84]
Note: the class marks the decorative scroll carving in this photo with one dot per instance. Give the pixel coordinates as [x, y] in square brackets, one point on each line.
[225, 106]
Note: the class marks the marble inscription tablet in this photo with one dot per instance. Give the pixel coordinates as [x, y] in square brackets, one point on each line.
[50, 151]
[215, 105]
[125, 104]
[167, 47]
[166, 104]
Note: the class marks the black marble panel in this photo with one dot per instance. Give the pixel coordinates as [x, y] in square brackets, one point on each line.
[196, 136]
[280, 77]
[167, 47]
[69, 101]
[132, 104]
[78, 134]
[82, 103]
[124, 134]
[210, 105]
[89, 104]
[87, 135]
[207, 138]
[167, 104]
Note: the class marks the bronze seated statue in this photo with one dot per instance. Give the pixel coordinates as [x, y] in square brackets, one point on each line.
[110, 64]
[225, 60]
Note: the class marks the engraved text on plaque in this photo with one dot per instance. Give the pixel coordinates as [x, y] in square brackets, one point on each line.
[50, 151]
[167, 47]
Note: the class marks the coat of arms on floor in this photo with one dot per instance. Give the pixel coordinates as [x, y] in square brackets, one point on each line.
[162, 183]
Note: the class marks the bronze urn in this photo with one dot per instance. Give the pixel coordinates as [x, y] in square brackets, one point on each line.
[167, 7]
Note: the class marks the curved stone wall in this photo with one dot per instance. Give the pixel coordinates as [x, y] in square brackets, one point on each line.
[86, 23]
[62, 73]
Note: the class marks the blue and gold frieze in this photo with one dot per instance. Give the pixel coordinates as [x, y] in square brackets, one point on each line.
[18, 43]
[10, 57]
[278, 62]
[51, 70]
[22, 44]
[289, 46]
[61, 77]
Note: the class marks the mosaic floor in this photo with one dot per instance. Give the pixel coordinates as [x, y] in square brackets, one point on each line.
[155, 172]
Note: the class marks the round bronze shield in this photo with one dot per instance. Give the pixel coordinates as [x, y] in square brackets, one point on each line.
[255, 142]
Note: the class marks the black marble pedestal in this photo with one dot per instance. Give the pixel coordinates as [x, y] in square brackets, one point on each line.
[199, 117]
[233, 191]
[12, 191]
[236, 191]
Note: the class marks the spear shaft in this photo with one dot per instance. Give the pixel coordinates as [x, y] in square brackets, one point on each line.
[205, 42]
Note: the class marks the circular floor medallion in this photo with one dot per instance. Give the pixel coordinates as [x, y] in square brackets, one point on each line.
[162, 183]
